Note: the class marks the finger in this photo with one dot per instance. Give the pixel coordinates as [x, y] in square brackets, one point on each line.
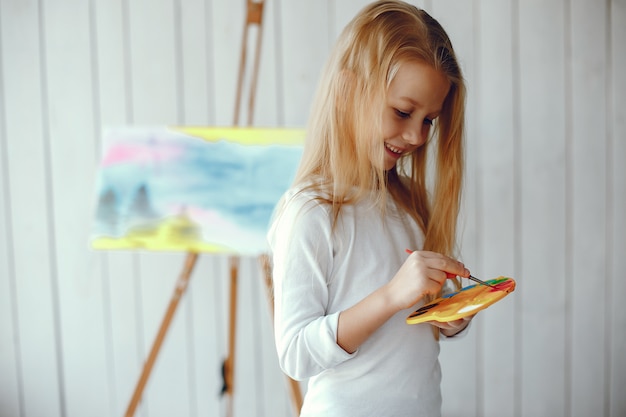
[457, 323]
[441, 325]
[451, 266]
[452, 325]
[436, 275]
[435, 260]
[440, 275]
[455, 269]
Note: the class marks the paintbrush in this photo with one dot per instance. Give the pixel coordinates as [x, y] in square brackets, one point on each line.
[480, 281]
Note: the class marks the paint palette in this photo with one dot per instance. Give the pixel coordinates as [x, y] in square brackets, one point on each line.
[466, 302]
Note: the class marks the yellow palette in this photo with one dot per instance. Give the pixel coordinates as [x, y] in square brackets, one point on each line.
[466, 302]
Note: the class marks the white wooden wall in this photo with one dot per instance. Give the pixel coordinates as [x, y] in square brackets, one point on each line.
[545, 202]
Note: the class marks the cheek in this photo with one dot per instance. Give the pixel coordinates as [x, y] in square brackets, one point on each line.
[391, 128]
[426, 132]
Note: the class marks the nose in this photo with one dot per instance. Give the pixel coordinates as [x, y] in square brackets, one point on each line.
[413, 135]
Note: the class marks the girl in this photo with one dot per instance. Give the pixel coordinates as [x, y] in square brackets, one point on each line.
[343, 283]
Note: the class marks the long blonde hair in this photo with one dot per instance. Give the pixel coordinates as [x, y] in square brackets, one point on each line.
[347, 113]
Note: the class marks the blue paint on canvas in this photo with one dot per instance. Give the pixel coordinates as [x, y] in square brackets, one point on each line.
[229, 190]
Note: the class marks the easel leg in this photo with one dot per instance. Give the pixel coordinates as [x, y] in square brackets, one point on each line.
[179, 290]
[294, 386]
[229, 364]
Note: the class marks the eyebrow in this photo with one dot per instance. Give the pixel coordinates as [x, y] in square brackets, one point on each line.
[409, 99]
[418, 104]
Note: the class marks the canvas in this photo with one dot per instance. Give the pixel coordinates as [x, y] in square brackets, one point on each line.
[200, 189]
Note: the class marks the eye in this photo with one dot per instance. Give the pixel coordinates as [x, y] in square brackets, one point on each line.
[401, 114]
[428, 122]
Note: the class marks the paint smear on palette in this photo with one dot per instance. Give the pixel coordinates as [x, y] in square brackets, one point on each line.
[192, 189]
[466, 302]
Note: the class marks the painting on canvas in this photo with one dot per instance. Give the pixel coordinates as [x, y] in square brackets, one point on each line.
[192, 189]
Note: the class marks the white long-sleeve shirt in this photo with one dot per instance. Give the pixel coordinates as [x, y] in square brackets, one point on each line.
[319, 272]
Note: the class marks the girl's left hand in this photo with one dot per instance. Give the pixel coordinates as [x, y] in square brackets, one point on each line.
[451, 328]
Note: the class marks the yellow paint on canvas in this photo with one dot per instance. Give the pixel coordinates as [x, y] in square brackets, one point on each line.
[172, 234]
[247, 135]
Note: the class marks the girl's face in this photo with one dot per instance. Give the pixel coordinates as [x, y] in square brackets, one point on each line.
[414, 100]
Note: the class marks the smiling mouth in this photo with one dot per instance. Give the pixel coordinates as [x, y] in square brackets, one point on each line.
[394, 150]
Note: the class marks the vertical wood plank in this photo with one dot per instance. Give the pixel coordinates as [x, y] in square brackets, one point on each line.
[154, 62]
[195, 108]
[496, 215]
[615, 360]
[543, 209]
[588, 200]
[71, 133]
[35, 301]
[196, 62]
[248, 398]
[10, 377]
[167, 391]
[111, 47]
[203, 301]
[305, 50]
[118, 269]
[266, 108]
[127, 348]
[155, 88]
[206, 289]
[227, 30]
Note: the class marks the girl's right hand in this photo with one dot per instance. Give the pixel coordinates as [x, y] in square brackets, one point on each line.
[423, 273]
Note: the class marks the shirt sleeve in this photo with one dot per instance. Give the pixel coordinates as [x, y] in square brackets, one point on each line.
[302, 254]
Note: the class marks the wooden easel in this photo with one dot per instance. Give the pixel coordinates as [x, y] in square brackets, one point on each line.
[254, 16]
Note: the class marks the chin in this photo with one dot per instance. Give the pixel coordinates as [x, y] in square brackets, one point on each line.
[389, 164]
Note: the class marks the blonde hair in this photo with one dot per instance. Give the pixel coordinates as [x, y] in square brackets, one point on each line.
[347, 113]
